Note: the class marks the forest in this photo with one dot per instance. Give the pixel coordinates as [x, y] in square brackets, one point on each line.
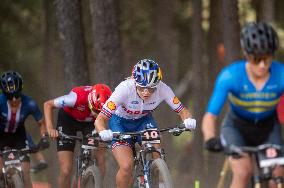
[58, 44]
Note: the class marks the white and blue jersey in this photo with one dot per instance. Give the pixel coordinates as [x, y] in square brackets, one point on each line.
[128, 112]
[244, 99]
[10, 122]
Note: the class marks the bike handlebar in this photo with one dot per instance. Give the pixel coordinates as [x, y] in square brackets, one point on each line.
[174, 130]
[239, 150]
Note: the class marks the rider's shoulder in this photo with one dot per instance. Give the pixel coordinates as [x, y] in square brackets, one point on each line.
[126, 84]
[27, 100]
[277, 64]
[239, 64]
[231, 70]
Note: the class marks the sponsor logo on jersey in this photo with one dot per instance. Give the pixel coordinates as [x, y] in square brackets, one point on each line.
[81, 108]
[111, 105]
[134, 102]
[175, 100]
[151, 103]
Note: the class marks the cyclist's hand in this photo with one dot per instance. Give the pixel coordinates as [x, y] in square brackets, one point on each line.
[106, 135]
[190, 123]
[53, 133]
[95, 132]
[214, 145]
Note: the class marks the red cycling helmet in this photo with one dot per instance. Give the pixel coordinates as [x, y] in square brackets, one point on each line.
[98, 96]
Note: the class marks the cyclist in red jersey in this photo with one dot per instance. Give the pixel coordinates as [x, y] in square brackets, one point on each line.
[77, 112]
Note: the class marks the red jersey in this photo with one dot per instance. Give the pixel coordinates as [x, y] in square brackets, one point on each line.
[280, 110]
[75, 104]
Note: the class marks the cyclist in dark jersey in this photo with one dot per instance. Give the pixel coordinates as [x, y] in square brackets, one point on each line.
[15, 107]
[253, 87]
[77, 112]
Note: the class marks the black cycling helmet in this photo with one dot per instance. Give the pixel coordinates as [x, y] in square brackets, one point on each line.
[11, 82]
[259, 39]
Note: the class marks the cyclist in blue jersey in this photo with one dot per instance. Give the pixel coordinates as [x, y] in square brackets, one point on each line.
[253, 87]
[15, 107]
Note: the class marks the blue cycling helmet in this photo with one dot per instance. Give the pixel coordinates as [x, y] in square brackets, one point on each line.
[259, 39]
[11, 82]
[147, 73]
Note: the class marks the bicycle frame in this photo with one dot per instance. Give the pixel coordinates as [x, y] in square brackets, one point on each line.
[140, 159]
[144, 158]
[264, 163]
[12, 165]
[84, 160]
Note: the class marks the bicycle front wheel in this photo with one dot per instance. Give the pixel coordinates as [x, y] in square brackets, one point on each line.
[160, 176]
[91, 178]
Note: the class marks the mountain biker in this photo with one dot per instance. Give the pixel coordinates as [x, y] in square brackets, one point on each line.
[129, 109]
[78, 111]
[253, 87]
[15, 107]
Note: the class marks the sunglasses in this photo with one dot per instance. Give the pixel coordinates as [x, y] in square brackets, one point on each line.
[144, 89]
[10, 96]
[257, 60]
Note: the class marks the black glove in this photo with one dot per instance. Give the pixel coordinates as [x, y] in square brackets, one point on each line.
[43, 143]
[214, 145]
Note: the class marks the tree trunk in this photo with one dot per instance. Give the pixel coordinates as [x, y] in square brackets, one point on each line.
[231, 30]
[72, 42]
[107, 44]
[265, 10]
[212, 162]
[195, 155]
[165, 54]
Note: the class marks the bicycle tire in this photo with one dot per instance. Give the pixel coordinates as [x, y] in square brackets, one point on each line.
[91, 178]
[17, 181]
[160, 176]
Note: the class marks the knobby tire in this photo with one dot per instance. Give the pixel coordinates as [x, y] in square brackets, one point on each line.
[91, 178]
[160, 176]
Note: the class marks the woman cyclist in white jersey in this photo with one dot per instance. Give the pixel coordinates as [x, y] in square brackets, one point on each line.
[129, 109]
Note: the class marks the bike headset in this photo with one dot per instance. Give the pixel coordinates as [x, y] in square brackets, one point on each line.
[11, 84]
[259, 39]
[98, 96]
[147, 73]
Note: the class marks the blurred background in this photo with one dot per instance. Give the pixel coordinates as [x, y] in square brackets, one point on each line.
[59, 44]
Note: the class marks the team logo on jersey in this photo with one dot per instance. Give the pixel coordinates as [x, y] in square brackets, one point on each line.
[81, 108]
[111, 105]
[175, 100]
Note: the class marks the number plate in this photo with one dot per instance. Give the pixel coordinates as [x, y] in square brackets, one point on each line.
[151, 136]
[270, 157]
[91, 143]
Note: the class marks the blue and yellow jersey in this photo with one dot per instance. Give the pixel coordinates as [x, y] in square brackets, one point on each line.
[245, 100]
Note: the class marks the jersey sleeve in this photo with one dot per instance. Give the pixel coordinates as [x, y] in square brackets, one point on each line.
[66, 100]
[220, 92]
[35, 111]
[170, 98]
[117, 98]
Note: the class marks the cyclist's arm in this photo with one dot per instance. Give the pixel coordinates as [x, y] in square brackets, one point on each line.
[60, 102]
[48, 115]
[208, 126]
[222, 87]
[42, 126]
[184, 114]
[35, 111]
[101, 122]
